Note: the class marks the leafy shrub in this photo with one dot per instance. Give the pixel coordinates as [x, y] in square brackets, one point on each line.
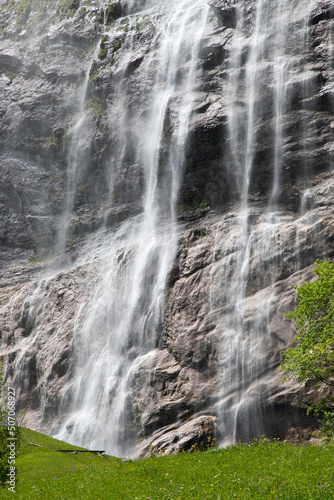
[312, 360]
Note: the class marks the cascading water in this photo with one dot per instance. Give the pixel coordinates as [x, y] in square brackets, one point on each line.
[258, 60]
[115, 329]
[78, 155]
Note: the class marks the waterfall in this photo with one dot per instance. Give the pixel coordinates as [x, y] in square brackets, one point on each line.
[78, 155]
[184, 162]
[116, 327]
[262, 70]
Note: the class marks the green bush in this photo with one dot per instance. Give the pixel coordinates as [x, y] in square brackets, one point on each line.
[312, 360]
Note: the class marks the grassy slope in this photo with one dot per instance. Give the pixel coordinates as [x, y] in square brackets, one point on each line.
[260, 471]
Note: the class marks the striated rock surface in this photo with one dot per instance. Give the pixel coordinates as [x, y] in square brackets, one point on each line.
[184, 392]
[195, 434]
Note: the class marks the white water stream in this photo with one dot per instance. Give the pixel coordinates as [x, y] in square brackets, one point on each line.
[116, 328]
[258, 60]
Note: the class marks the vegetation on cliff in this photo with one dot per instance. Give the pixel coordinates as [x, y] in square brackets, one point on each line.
[312, 360]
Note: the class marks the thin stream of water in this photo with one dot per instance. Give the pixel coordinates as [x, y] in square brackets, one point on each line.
[116, 331]
[257, 59]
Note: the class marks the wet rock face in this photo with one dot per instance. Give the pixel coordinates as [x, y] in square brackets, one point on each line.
[44, 57]
[38, 65]
[226, 12]
[210, 167]
[196, 320]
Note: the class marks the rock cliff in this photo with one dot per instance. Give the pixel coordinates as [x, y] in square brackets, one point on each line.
[254, 210]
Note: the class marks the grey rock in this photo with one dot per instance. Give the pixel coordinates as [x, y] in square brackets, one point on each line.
[196, 434]
[226, 12]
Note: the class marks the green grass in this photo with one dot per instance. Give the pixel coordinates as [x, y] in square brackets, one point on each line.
[265, 470]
